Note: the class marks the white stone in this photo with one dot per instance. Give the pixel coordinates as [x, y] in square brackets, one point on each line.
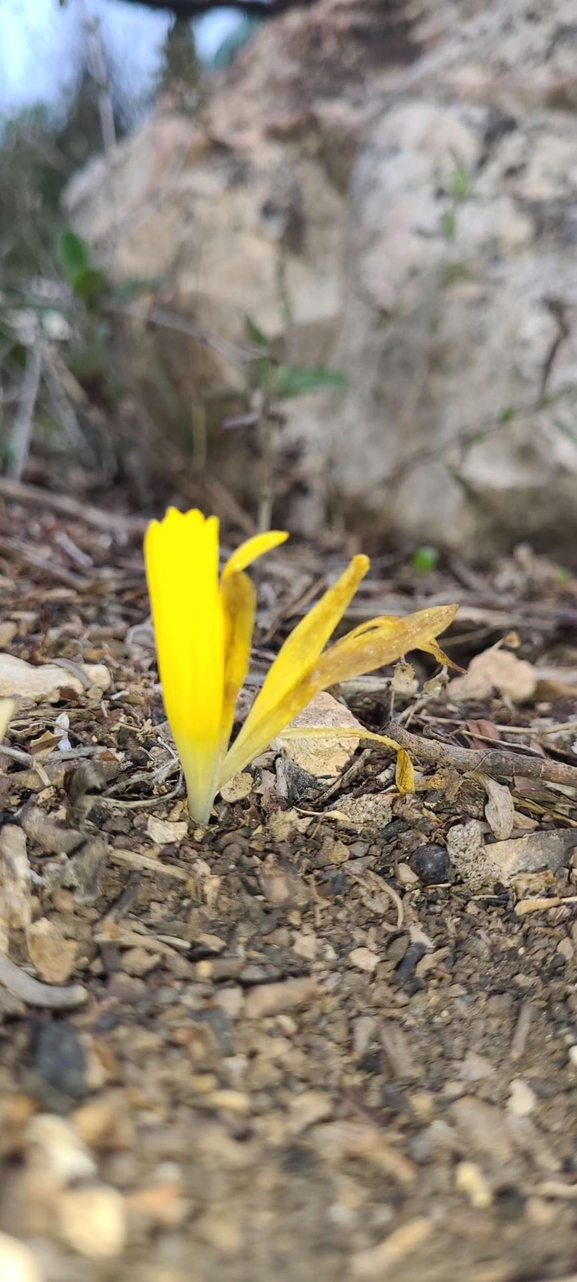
[17, 1263]
[92, 1221]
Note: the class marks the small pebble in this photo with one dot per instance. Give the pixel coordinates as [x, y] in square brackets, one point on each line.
[306, 946]
[522, 1099]
[58, 1057]
[483, 1127]
[52, 955]
[406, 876]
[475, 1067]
[230, 1000]
[17, 1263]
[270, 999]
[127, 988]
[432, 864]
[306, 1109]
[139, 961]
[363, 959]
[469, 1179]
[91, 1221]
[56, 1149]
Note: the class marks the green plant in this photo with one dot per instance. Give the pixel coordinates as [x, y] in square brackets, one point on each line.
[425, 559]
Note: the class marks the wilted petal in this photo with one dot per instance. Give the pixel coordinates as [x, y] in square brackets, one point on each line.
[382, 641]
[367, 647]
[404, 773]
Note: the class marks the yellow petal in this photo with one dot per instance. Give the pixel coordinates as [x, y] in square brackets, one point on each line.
[404, 773]
[383, 641]
[251, 549]
[181, 554]
[6, 713]
[305, 643]
[367, 647]
[239, 604]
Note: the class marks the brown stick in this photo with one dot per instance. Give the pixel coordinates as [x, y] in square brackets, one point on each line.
[35, 496]
[495, 762]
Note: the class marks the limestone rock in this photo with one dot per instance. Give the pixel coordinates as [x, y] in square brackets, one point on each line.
[21, 679]
[403, 178]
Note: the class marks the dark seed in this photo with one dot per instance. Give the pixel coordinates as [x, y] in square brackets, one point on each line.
[432, 864]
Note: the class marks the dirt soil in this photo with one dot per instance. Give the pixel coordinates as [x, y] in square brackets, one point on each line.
[312, 1044]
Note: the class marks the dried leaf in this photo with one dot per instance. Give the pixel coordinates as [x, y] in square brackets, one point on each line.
[237, 788]
[404, 680]
[500, 808]
[481, 731]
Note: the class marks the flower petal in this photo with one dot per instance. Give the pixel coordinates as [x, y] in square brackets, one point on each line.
[251, 549]
[383, 641]
[367, 647]
[239, 605]
[181, 554]
[305, 643]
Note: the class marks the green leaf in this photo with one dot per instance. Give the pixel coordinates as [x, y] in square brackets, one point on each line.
[89, 284]
[507, 414]
[254, 333]
[260, 374]
[425, 559]
[460, 183]
[73, 254]
[297, 380]
[448, 224]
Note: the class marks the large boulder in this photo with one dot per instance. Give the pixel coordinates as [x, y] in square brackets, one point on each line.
[388, 189]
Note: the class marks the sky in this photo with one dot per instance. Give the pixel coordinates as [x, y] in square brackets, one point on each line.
[42, 46]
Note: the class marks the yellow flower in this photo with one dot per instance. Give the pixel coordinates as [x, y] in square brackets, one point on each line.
[203, 625]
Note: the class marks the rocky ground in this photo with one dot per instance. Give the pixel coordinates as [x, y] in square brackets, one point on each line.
[334, 1035]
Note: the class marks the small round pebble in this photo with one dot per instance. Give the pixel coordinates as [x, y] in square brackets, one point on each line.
[431, 864]
[92, 1221]
[522, 1099]
[17, 1263]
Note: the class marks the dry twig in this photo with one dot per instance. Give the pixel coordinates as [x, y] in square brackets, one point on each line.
[494, 762]
[31, 991]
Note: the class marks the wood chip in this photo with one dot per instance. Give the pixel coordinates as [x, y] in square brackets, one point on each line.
[377, 1261]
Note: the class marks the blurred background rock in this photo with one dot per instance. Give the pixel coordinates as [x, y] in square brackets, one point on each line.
[320, 264]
